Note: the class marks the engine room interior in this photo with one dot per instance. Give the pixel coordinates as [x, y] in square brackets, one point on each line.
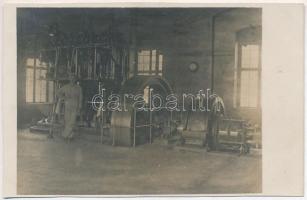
[141, 79]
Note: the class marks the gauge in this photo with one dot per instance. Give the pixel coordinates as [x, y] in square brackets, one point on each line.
[193, 66]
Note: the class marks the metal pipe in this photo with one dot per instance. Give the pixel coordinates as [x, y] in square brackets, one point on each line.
[101, 117]
[95, 63]
[134, 126]
[212, 53]
[78, 70]
[113, 142]
[56, 62]
[170, 124]
[145, 125]
[150, 121]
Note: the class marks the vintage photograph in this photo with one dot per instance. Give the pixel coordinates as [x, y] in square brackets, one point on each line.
[139, 101]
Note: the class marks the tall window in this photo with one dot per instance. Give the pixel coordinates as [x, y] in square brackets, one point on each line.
[30, 80]
[38, 88]
[150, 62]
[247, 73]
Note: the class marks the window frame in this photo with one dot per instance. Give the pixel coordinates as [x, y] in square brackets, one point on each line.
[243, 40]
[152, 71]
[36, 67]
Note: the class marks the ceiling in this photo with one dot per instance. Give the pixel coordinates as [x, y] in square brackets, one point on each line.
[37, 20]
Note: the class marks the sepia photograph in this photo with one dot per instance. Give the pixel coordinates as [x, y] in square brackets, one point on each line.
[139, 101]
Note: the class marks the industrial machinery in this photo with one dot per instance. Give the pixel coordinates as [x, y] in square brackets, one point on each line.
[97, 62]
[131, 127]
[102, 62]
[202, 127]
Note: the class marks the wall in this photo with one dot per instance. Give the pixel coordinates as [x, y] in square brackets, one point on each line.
[32, 30]
[183, 37]
[191, 44]
[189, 40]
[227, 25]
[26, 112]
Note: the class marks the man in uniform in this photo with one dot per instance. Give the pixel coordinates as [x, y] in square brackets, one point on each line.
[71, 93]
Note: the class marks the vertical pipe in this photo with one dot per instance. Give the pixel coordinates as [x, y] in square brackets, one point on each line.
[134, 126]
[102, 126]
[170, 124]
[150, 61]
[34, 77]
[78, 70]
[95, 63]
[135, 43]
[102, 116]
[113, 142]
[150, 129]
[212, 53]
[57, 53]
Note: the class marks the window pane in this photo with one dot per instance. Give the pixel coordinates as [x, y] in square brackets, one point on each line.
[43, 65]
[29, 85]
[160, 62]
[146, 62]
[38, 63]
[139, 58]
[253, 89]
[250, 56]
[249, 89]
[50, 91]
[153, 60]
[146, 52]
[40, 85]
[30, 62]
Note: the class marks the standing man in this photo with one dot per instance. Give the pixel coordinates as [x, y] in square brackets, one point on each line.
[72, 95]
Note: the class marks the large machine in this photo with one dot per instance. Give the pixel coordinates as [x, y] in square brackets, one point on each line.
[104, 64]
[97, 60]
[132, 126]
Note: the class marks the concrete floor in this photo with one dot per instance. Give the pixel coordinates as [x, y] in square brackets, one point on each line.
[52, 167]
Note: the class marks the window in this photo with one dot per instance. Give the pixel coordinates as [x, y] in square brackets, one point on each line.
[247, 68]
[150, 62]
[30, 80]
[247, 75]
[38, 88]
